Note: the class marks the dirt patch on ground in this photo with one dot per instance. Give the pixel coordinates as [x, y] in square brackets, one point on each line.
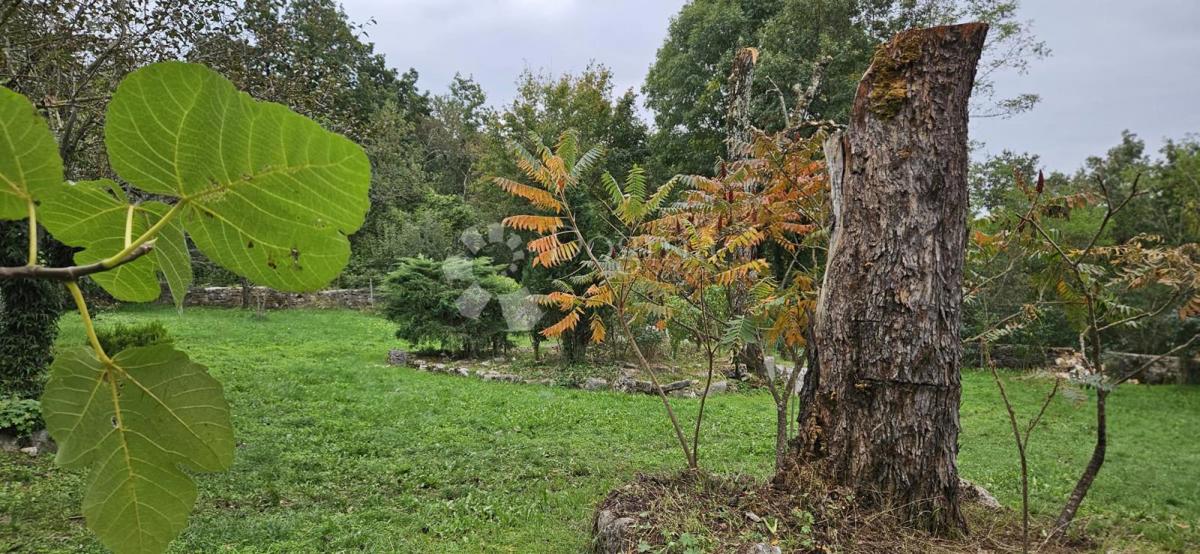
[797, 512]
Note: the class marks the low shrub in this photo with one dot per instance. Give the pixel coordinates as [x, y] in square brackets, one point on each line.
[20, 416]
[120, 337]
[452, 303]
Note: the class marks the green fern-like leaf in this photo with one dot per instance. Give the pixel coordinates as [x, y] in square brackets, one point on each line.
[613, 188]
[567, 148]
[586, 161]
[660, 196]
[635, 183]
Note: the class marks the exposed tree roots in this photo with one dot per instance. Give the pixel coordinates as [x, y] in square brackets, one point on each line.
[796, 512]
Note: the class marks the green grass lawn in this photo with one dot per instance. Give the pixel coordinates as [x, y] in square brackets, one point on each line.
[339, 452]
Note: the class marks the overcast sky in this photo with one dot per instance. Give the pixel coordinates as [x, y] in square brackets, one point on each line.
[1115, 64]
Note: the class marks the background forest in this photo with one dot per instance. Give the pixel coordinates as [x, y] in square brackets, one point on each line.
[434, 151]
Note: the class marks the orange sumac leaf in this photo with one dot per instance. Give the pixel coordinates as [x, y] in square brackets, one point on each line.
[538, 223]
[982, 239]
[564, 301]
[534, 195]
[565, 324]
[797, 228]
[1191, 309]
[546, 243]
[557, 255]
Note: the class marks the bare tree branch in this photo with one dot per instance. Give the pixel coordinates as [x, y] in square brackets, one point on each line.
[72, 273]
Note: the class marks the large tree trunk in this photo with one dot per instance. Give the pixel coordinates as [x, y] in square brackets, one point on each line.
[882, 414]
[739, 134]
[738, 130]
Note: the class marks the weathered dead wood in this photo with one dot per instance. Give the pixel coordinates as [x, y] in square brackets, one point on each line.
[883, 415]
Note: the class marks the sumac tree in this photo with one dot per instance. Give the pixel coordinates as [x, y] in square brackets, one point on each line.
[1095, 285]
[610, 277]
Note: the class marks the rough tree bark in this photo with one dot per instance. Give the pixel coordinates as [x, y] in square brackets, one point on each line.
[881, 413]
[737, 109]
[738, 144]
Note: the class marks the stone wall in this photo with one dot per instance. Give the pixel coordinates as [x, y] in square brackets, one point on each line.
[1169, 370]
[231, 297]
[1012, 356]
[1166, 371]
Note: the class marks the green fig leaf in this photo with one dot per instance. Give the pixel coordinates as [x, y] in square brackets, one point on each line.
[135, 421]
[97, 216]
[266, 193]
[30, 168]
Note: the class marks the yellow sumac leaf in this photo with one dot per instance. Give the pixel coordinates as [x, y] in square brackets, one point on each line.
[750, 237]
[598, 296]
[598, 331]
[736, 273]
[1064, 291]
[533, 170]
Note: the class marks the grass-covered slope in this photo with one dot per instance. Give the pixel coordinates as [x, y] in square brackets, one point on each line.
[339, 452]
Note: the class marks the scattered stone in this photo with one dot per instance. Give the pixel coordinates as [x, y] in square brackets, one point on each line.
[594, 383]
[397, 356]
[439, 367]
[9, 443]
[41, 439]
[683, 393]
[719, 387]
[764, 548]
[753, 517]
[627, 384]
[612, 532]
[463, 371]
[231, 297]
[975, 493]
[495, 376]
[1167, 370]
[543, 382]
[677, 385]
[31, 450]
